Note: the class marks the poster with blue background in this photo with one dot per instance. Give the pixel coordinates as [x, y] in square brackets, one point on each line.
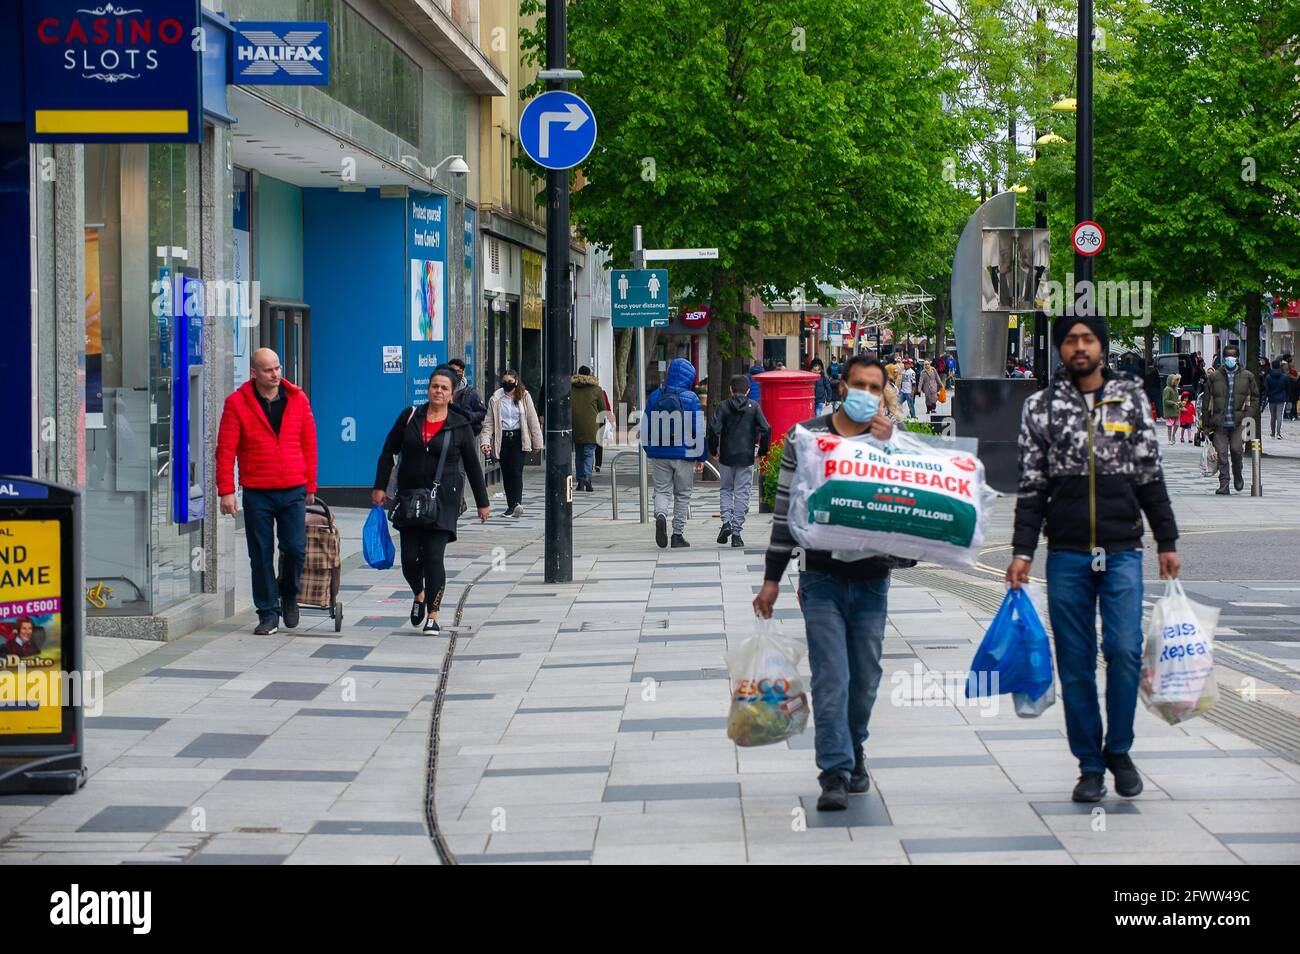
[426, 291]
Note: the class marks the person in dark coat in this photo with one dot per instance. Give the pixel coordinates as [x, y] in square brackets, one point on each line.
[467, 399]
[588, 401]
[1276, 387]
[423, 436]
[823, 388]
[737, 428]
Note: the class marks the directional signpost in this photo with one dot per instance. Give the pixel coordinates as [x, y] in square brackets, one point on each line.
[639, 297]
[557, 130]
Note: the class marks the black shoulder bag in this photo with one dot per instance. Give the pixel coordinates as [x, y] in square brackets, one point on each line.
[418, 509]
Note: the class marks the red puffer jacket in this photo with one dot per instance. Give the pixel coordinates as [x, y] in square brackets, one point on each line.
[265, 462]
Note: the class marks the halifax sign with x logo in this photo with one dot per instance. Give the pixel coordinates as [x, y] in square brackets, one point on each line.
[280, 53]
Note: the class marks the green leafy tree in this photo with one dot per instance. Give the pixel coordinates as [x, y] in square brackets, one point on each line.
[805, 139]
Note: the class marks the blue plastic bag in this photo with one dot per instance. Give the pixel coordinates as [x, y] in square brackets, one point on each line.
[376, 542]
[1016, 649]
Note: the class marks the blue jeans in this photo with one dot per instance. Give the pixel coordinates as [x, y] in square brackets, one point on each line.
[845, 623]
[910, 401]
[265, 513]
[1074, 592]
[584, 460]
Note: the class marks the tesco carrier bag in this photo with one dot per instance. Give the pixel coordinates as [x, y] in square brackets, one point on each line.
[909, 497]
[1177, 681]
[768, 701]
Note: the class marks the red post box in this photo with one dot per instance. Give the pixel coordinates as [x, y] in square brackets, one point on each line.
[786, 398]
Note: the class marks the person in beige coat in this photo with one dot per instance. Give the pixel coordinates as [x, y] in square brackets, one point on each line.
[511, 430]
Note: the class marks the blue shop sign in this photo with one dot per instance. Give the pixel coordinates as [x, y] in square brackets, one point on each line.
[108, 72]
[280, 53]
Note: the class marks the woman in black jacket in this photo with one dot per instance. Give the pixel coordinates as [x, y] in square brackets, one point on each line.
[424, 435]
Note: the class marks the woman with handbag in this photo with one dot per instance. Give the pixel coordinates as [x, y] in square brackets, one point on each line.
[511, 430]
[436, 444]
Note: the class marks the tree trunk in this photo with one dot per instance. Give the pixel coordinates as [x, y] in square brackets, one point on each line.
[622, 358]
[940, 324]
[1250, 354]
[1149, 343]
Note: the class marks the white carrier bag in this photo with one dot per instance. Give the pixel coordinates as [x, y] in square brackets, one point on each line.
[913, 497]
[1177, 679]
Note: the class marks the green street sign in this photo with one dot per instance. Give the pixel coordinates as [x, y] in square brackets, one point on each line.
[639, 297]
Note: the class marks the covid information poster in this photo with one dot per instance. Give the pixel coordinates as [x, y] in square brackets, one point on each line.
[427, 270]
[31, 628]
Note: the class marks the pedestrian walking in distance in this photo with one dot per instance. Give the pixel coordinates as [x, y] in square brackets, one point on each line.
[844, 602]
[467, 401]
[434, 447]
[1276, 386]
[588, 403]
[930, 385]
[675, 438]
[1231, 398]
[907, 388]
[823, 387]
[738, 426]
[1089, 467]
[510, 431]
[267, 426]
[1172, 404]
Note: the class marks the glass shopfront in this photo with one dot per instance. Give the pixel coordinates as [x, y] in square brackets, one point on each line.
[141, 226]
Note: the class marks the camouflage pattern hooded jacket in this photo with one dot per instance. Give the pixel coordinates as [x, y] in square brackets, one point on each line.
[1090, 474]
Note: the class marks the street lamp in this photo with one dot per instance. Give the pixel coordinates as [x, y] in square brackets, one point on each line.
[458, 167]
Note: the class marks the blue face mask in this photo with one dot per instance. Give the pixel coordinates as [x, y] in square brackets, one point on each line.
[861, 406]
[1230, 362]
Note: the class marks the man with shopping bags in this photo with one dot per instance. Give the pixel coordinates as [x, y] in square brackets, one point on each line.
[1089, 468]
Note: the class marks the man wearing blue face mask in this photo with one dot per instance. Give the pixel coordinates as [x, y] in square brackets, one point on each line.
[844, 602]
[1231, 398]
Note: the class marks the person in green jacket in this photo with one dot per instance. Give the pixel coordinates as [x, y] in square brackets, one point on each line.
[588, 403]
[1173, 404]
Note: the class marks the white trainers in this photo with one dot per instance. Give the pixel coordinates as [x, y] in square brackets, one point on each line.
[519, 510]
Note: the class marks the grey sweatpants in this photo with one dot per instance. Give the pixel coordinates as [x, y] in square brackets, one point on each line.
[734, 495]
[675, 477]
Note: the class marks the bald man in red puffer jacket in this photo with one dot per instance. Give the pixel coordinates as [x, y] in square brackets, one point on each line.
[268, 426]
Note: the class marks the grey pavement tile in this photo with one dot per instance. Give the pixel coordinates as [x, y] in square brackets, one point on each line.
[132, 818]
[998, 735]
[523, 857]
[681, 724]
[217, 858]
[1082, 808]
[411, 670]
[554, 770]
[864, 811]
[464, 697]
[343, 651]
[222, 674]
[981, 844]
[534, 710]
[668, 638]
[129, 723]
[302, 691]
[679, 675]
[354, 713]
[1259, 837]
[360, 827]
[221, 745]
[663, 792]
[354, 587]
[587, 665]
[483, 657]
[507, 622]
[287, 775]
[928, 761]
[382, 621]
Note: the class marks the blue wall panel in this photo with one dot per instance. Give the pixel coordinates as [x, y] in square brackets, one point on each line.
[354, 261]
[17, 442]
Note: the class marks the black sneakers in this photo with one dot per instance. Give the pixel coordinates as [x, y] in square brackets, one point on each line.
[679, 541]
[661, 531]
[289, 613]
[835, 792]
[859, 781]
[267, 627]
[1223, 491]
[1127, 780]
[431, 627]
[1238, 483]
[736, 541]
[417, 612]
[724, 533]
[1091, 787]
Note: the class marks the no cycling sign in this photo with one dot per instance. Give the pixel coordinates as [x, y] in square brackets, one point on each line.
[1088, 238]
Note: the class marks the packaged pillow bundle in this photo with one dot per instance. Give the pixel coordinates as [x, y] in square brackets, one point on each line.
[908, 497]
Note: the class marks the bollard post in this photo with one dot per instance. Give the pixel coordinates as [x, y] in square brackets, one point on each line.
[1256, 480]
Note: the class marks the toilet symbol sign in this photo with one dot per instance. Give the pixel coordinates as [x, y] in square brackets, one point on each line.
[640, 297]
[557, 130]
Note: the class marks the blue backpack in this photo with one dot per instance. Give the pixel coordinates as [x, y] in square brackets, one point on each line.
[669, 401]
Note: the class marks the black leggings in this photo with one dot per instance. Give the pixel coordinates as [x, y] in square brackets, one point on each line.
[422, 553]
[512, 467]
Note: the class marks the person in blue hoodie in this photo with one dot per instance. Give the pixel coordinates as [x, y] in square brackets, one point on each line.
[675, 439]
[754, 386]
